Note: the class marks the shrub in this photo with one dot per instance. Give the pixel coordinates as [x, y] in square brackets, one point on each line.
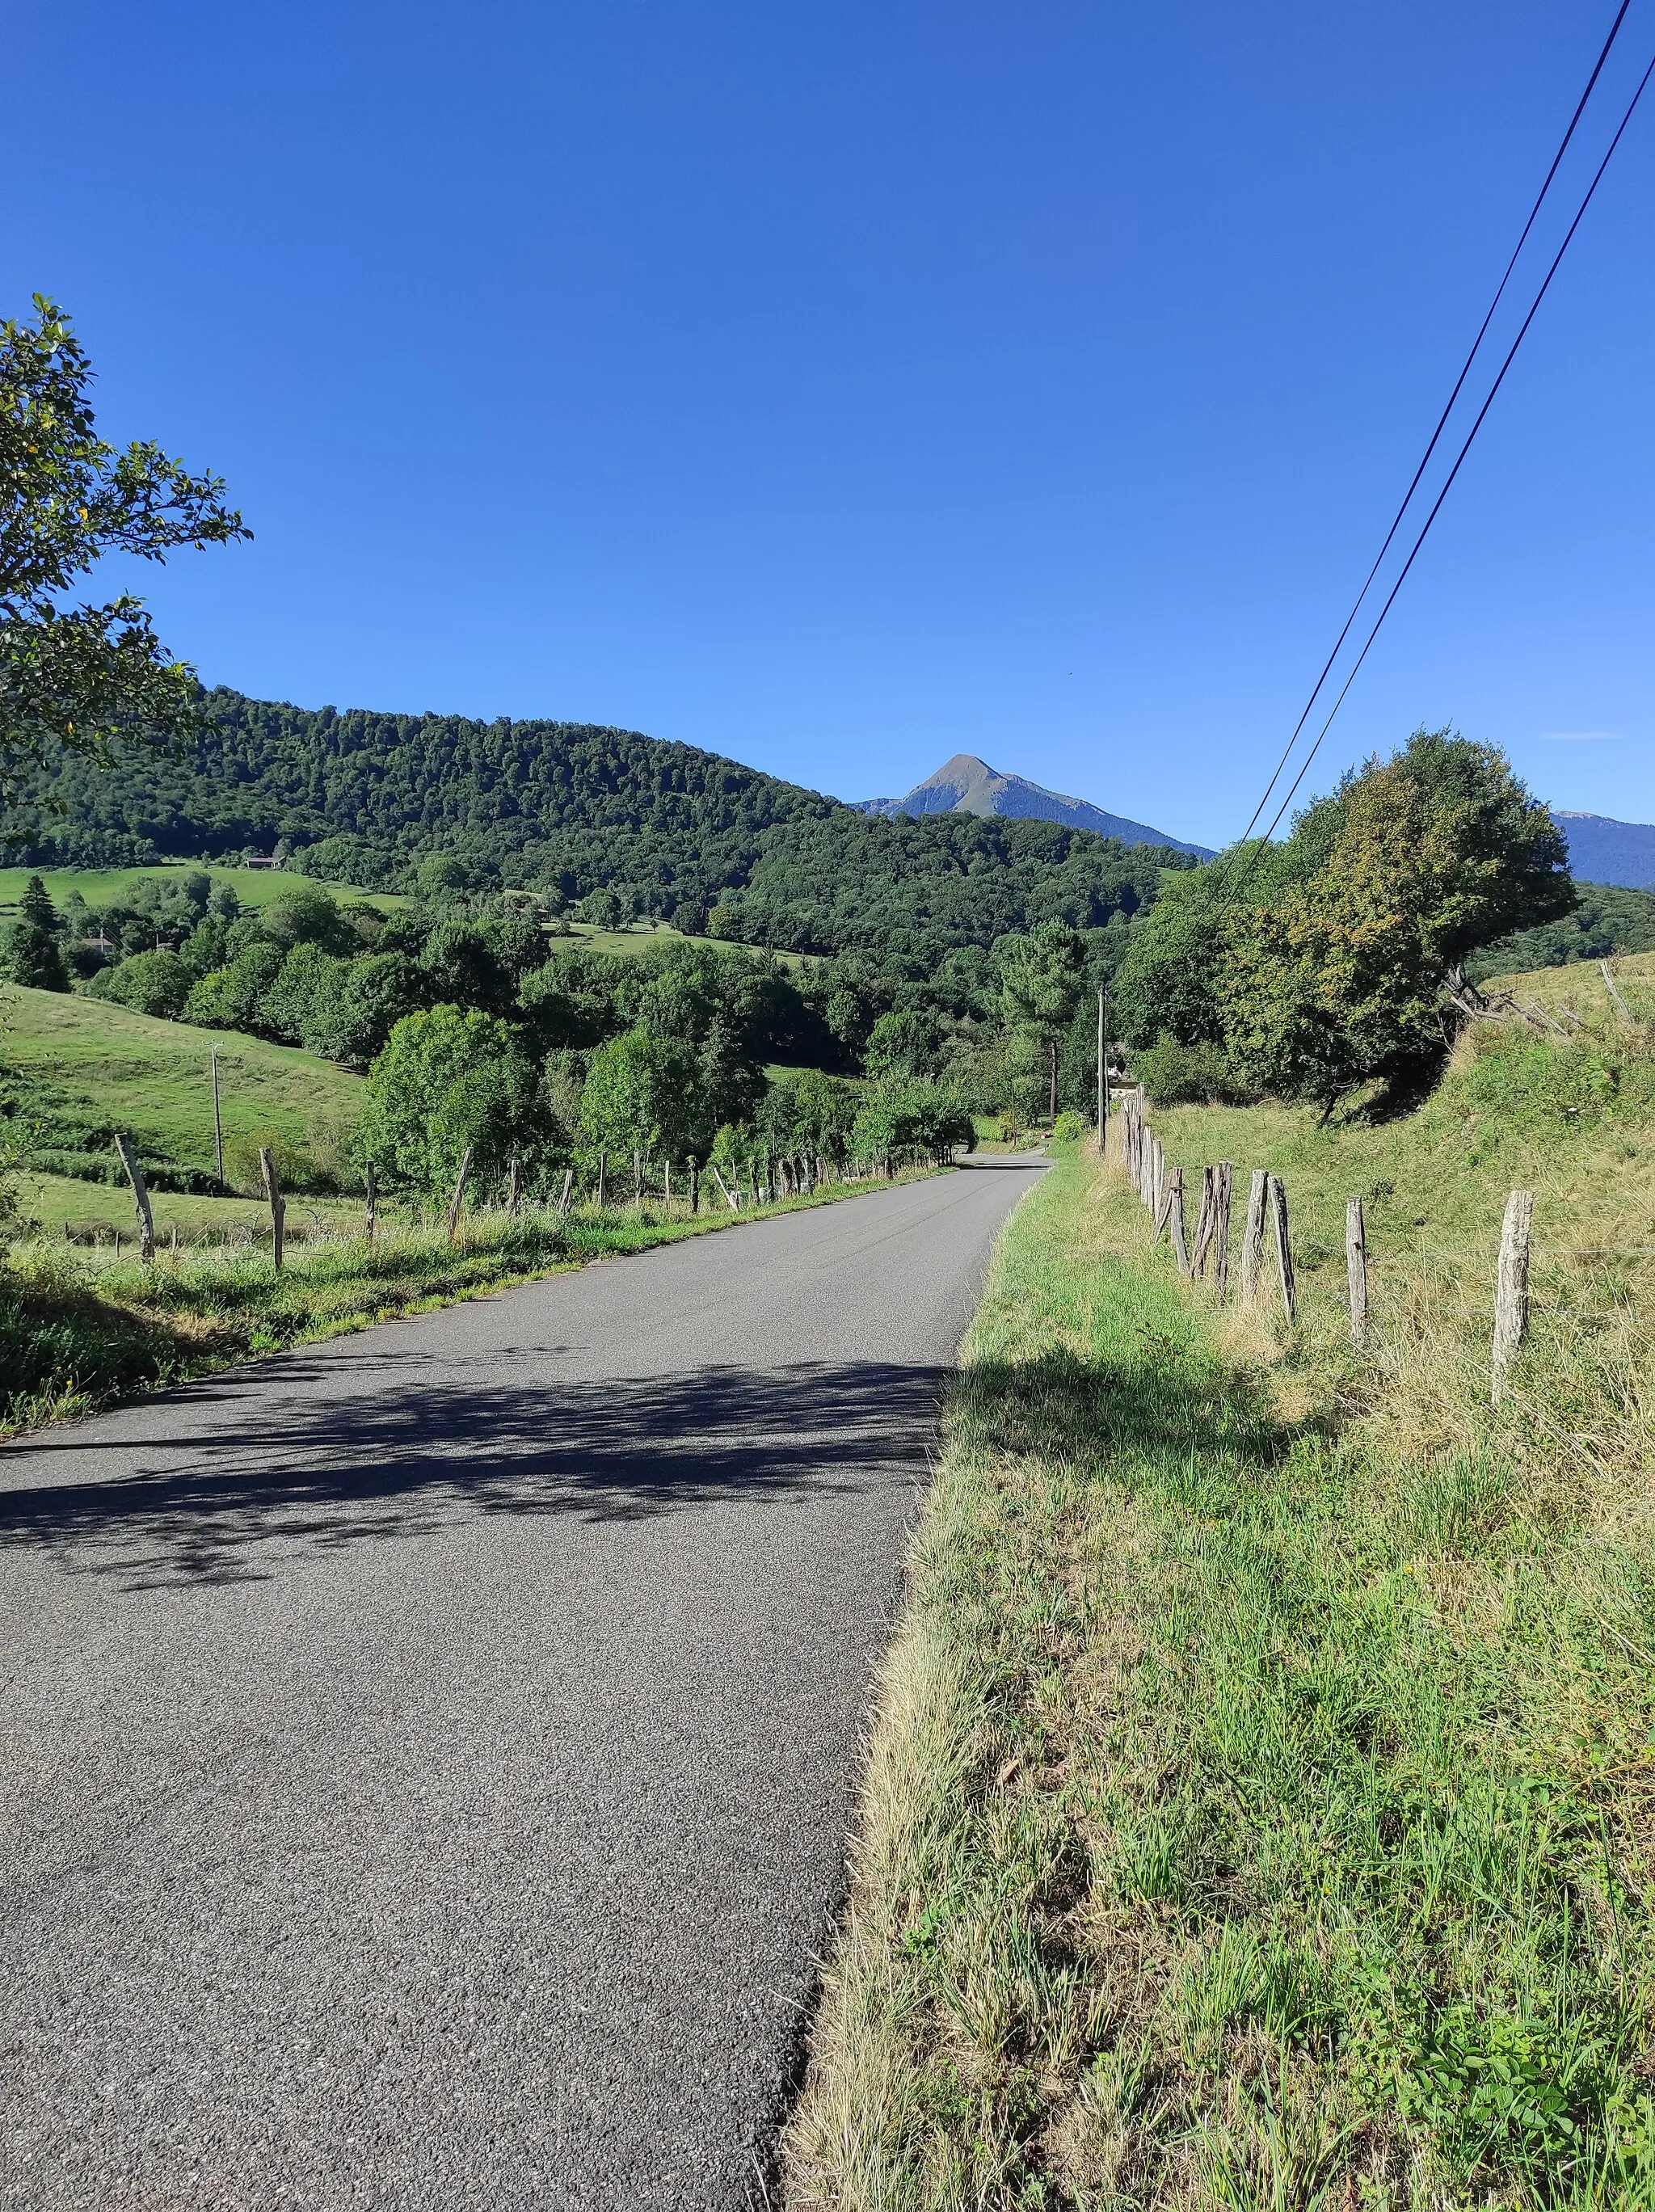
[149, 983]
[1175, 1074]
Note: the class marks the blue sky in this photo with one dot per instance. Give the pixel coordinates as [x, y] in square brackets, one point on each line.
[842, 387]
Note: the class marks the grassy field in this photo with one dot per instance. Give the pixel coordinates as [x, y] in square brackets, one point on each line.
[1261, 1810]
[97, 886]
[89, 1065]
[629, 943]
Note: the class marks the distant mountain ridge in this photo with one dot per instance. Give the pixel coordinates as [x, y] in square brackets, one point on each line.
[1604, 851]
[966, 785]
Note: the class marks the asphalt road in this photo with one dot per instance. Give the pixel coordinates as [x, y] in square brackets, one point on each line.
[428, 1757]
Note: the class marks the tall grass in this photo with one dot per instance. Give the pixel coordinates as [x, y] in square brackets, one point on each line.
[1259, 1807]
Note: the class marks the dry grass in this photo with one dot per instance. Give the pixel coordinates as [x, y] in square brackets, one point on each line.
[1261, 1798]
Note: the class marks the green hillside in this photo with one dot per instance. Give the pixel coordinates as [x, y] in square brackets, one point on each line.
[79, 1069]
[361, 798]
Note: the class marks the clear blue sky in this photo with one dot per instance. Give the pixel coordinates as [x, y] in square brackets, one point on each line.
[842, 387]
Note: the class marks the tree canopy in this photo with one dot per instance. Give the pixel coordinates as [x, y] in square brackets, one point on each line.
[74, 678]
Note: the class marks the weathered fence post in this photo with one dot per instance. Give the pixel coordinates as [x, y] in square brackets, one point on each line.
[602, 1163]
[666, 1183]
[458, 1199]
[1355, 1255]
[568, 1187]
[1284, 1250]
[1511, 1287]
[278, 1204]
[513, 1184]
[730, 1200]
[1252, 1236]
[370, 1184]
[140, 1198]
[1224, 1175]
[1621, 1006]
[1204, 1221]
[694, 1186]
[1175, 1221]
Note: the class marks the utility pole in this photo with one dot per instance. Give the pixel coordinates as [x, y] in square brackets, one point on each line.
[218, 1126]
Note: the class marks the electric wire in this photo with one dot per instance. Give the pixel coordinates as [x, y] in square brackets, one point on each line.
[1252, 860]
[1442, 421]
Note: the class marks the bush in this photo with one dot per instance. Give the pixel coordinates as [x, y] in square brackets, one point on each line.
[1176, 1074]
[1068, 1126]
[149, 983]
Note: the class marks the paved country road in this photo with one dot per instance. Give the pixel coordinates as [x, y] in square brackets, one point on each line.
[427, 1757]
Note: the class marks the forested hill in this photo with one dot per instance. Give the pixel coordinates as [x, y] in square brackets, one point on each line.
[366, 798]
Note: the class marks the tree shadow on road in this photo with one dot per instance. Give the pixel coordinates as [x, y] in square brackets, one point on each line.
[402, 1458]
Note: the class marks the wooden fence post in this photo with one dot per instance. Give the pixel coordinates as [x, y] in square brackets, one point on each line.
[1355, 1255]
[1203, 1223]
[140, 1198]
[1621, 1006]
[1224, 1175]
[568, 1186]
[1284, 1250]
[371, 1216]
[694, 1186]
[1252, 1237]
[514, 1184]
[278, 1204]
[732, 1201]
[602, 1163]
[1175, 1221]
[1511, 1287]
[458, 1199]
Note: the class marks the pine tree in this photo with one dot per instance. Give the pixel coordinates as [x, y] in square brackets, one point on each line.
[33, 955]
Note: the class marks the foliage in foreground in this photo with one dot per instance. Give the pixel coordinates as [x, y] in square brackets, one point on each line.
[74, 678]
[1259, 1805]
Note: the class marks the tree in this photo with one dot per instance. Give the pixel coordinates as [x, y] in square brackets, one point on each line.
[299, 1005]
[377, 992]
[78, 676]
[149, 983]
[902, 1043]
[448, 1082]
[1041, 978]
[640, 1100]
[1420, 857]
[232, 997]
[307, 914]
[34, 953]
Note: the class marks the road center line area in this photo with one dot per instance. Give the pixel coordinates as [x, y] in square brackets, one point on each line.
[429, 1756]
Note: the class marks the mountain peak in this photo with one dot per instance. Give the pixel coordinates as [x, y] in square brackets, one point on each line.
[967, 785]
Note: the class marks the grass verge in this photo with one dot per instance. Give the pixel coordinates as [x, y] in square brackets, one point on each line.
[78, 1331]
[1259, 1805]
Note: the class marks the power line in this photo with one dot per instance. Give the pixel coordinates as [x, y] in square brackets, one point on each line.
[1436, 506]
[1442, 420]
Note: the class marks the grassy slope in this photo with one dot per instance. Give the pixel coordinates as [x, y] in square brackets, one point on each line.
[252, 886]
[1260, 1804]
[98, 1062]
